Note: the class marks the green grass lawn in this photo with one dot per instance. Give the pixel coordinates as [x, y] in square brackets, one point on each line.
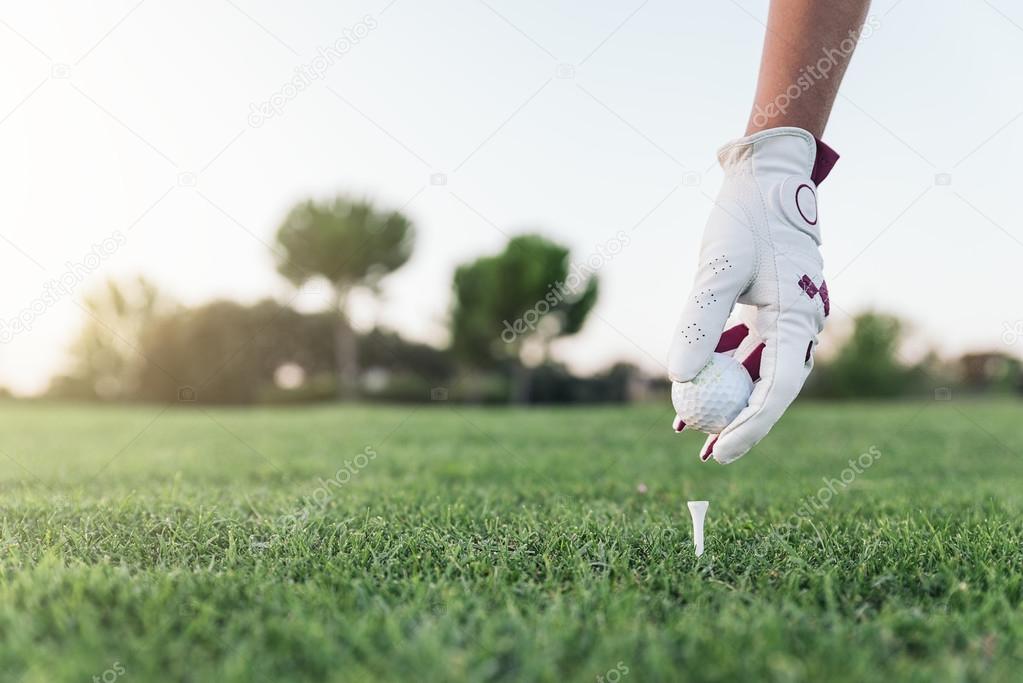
[143, 544]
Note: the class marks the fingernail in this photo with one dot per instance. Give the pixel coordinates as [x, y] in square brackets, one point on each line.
[678, 425]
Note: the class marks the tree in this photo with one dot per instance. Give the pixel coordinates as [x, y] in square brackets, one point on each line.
[867, 365]
[350, 244]
[106, 360]
[516, 303]
[225, 352]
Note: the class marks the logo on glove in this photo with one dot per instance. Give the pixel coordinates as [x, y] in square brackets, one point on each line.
[810, 203]
[812, 290]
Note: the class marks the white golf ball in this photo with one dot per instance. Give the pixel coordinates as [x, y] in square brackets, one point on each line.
[715, 396]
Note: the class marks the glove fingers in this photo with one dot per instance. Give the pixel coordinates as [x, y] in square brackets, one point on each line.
[699, 329]
[737, 340]
[725, 270]
[752, 358]
[783, 369]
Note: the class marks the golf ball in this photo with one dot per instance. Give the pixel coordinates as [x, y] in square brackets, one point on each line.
[715, 396]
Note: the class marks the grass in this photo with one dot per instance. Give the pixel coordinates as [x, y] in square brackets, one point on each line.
[143, 544]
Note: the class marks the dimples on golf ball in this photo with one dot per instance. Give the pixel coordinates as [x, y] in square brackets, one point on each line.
[715, 396]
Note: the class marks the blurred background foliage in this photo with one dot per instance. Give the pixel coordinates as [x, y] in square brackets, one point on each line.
[349, 244]
[507, 309]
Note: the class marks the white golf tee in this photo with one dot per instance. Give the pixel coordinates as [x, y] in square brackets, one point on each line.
[698, 510]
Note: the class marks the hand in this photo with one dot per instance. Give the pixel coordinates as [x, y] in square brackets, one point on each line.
[761, 250]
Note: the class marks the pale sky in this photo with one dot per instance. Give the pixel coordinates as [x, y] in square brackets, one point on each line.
[578, 119]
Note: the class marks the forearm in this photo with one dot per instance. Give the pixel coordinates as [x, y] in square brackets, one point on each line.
[807, 48]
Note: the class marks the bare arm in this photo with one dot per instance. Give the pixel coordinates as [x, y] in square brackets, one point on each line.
[806, 51]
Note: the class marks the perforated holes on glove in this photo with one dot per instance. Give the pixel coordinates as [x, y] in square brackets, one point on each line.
[720, 264]
[691, 333]
[705, 298]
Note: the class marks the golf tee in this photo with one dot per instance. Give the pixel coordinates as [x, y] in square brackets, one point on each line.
[698, 510]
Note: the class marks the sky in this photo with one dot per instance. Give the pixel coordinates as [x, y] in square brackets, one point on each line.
[134, 139]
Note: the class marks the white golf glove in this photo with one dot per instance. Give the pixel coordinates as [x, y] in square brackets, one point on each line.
[760, 249]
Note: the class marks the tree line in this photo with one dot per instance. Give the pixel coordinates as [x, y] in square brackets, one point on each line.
[507, 309]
